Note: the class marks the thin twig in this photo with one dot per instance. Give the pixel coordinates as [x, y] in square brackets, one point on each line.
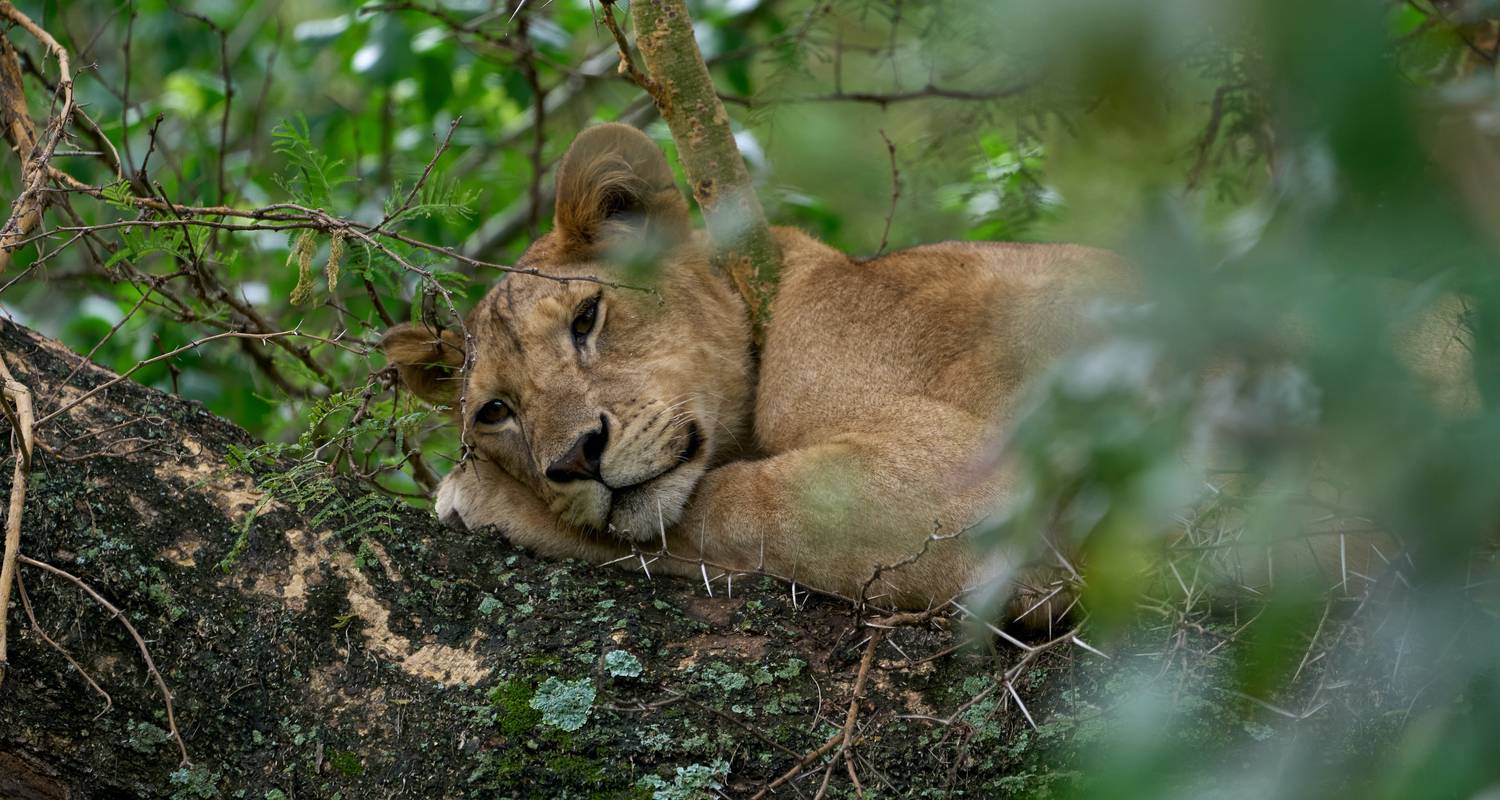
[885, 235]
[628, 67]
[36, 627]
[846, 737]
[223, 36]
[422, 181]
[796, 769]
[22, 424]
[115, 613]
[189, 346]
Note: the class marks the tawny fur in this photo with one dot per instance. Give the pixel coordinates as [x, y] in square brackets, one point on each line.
[870, 421]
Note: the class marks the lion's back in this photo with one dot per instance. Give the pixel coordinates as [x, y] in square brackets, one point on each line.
[962, 324]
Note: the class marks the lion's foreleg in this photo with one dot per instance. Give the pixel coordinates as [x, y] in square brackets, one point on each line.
[829, 516]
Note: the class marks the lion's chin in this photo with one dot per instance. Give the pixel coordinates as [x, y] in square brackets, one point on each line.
[643, 513]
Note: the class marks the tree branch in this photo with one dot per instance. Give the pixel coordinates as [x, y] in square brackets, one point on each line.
[22, 423]
[26, 211]
[690, 104]
[883, 99]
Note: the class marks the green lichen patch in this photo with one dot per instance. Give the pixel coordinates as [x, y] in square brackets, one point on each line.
[723, 676]
[693, 782]
[622, 664]
[565, 705]
[143, 737]
[195, 782]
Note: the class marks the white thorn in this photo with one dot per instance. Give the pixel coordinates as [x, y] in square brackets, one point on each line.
[1086, 646]
[1014, 696]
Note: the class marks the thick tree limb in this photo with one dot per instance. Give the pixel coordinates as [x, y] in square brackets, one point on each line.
[399, 653]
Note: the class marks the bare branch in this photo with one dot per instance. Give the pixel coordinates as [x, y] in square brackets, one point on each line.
[26, 211]
[883, 99]
[22, 425]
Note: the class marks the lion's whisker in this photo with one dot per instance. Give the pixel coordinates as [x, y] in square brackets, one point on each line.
[661, 524]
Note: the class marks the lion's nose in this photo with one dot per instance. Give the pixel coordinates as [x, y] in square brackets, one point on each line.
[581, 462]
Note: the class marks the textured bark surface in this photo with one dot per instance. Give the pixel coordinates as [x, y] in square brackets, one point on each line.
[684, 93]
[356, 648]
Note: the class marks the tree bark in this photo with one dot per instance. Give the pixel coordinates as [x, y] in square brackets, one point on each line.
[685, 95]
[356, 646]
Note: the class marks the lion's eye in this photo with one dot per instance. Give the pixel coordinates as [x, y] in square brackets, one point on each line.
[583, 322]
[492, 413]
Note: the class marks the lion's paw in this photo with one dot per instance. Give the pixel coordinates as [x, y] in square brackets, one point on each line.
[458, 496]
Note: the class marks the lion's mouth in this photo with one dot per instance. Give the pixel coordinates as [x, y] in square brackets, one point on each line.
[690, 450]
[637, 498]
[694, 444]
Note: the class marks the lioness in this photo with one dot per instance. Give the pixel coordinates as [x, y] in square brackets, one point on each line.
[601, 417]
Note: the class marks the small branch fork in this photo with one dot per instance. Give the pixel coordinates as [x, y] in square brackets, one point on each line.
[846, 734]
[26, 211]
[36, 627]
[115, 613]
[628, 68]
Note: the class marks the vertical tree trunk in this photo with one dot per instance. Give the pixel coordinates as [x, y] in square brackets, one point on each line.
[684, 93]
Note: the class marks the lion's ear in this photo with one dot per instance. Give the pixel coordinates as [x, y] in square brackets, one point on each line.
[428, 360]
[614, 189]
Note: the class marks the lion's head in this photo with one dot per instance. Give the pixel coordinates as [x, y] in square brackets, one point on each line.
[609, 402]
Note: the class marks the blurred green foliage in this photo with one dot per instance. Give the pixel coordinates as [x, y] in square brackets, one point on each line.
[1267, 165]
[1346, 215]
